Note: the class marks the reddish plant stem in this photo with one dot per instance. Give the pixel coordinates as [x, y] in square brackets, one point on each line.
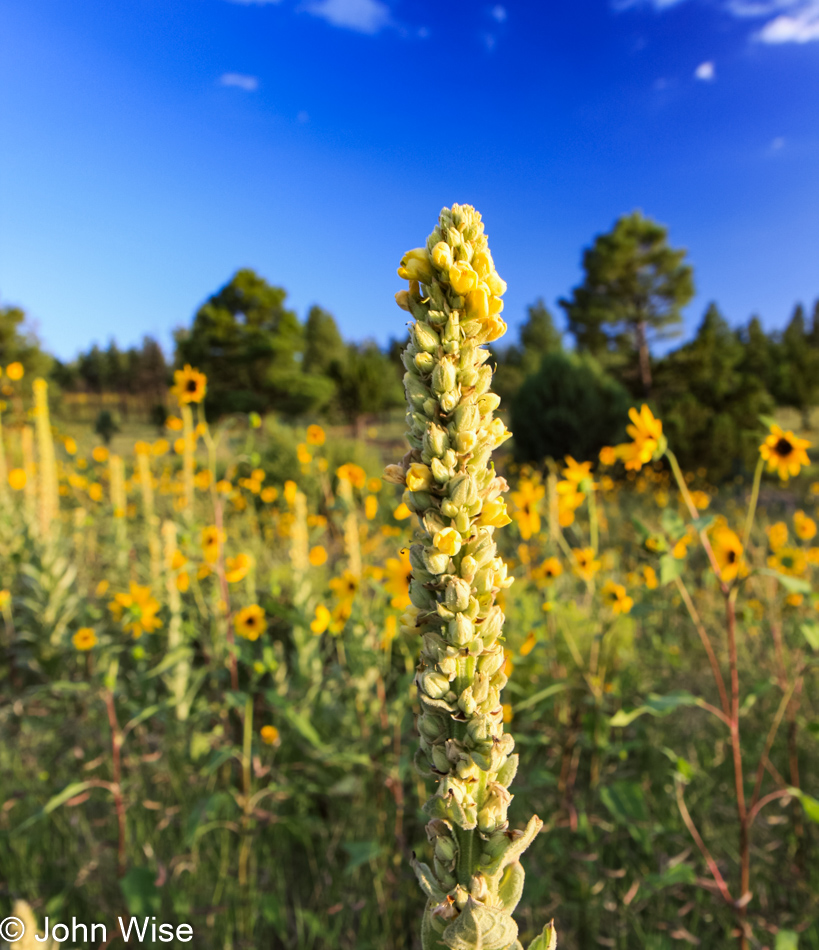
[712, 864]
[742, 812]
[116, 772]
[706, 642]
[225, 592]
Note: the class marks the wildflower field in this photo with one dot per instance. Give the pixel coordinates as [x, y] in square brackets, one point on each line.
[214, 709]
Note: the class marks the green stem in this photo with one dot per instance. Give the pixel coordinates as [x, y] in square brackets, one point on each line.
[593, 522]
[749, 523]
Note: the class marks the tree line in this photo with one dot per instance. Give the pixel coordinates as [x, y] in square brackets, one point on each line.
[260, 357]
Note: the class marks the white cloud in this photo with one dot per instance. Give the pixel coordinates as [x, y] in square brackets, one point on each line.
[802, 27]
[705, 72]
[489, 41]
[499, 13]
[239, 81]
[364, 16]
[777, 144]
[793, 21]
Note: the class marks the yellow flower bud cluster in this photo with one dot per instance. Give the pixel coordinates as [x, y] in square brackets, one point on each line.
[450, 484]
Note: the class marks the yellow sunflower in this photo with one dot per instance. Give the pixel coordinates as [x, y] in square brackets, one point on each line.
[236, 568]
[84, 639]
[646, 433]
[615, 596]
[784, 452]
[585, 564]
[791, 561]
[399, 573]
[728, 552]
[250, 622]
[136, 611]
[189, 385]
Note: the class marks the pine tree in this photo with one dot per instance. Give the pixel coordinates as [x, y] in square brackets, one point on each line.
[635, 287]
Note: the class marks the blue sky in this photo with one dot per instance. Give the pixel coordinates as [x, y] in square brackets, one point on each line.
[153, 147]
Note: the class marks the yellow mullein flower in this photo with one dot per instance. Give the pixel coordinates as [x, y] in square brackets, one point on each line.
[84, 639]
[447, 541]
[804, 526]
[189, 385]
[236, 568]
[614, 596]
[250, 622]
[462, 278]
[784, 452]
[370, 507]
[419, 477]
[494, 514]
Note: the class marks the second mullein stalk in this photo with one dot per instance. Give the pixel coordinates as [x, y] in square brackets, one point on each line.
[476, 879]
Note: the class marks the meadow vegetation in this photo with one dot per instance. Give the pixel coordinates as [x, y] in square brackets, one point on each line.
[210, 649]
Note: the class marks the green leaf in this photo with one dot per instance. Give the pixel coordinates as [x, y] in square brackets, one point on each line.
[361, 852]
[140, 717]
[547, 940]
[642, 529]
[625, 801]
[670, 569]
[75, 788]
[671, 877]
[787, 940]
[539, 696]
[811, 805]
[480, 926]
[810, 631]
[703, 523]
[672, 523]
[793, 585]
[655, 706]
[140, 892]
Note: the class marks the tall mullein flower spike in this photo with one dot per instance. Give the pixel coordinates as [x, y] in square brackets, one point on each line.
[476, 878]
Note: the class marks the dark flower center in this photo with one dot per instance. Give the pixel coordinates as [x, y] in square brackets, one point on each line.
[732, 557]
[783, 447]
